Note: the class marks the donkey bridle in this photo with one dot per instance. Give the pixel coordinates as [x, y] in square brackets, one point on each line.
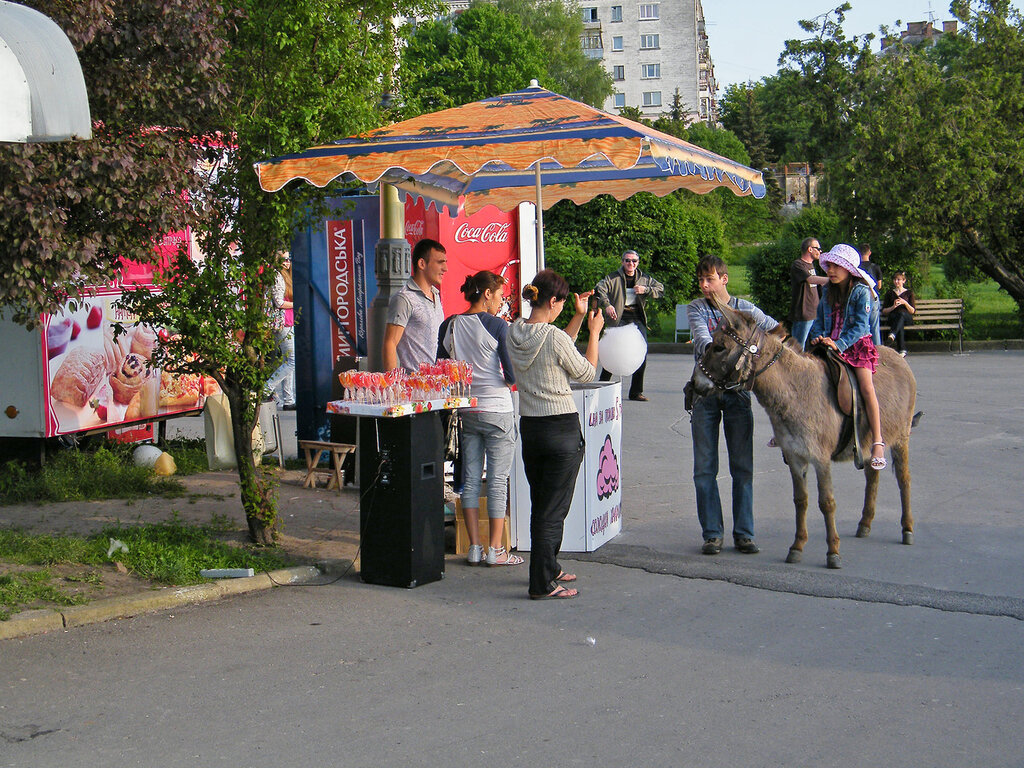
[749, 348]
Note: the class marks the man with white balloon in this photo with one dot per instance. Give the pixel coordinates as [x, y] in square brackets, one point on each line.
[622, 295]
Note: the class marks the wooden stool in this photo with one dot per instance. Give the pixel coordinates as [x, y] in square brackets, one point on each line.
[483, 527]
[315, 450]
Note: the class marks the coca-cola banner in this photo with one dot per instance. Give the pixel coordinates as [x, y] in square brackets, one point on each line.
[486, 240]
[346, 277]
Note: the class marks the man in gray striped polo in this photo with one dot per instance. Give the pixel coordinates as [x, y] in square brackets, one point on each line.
[414, 312]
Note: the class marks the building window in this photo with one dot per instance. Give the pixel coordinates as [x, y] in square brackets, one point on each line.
[589, 14]
[650, 42]
[616, 43]
[616, 13]
[591, 41]
[620, 100]
[650, 71]
[648, 12]
[618, 72]
[652, 99]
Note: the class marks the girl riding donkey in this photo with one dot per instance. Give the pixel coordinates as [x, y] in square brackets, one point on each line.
[843, 324]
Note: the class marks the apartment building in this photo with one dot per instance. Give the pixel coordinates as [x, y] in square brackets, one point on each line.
[651, 50]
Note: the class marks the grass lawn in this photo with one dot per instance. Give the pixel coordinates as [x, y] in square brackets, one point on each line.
[991, 313]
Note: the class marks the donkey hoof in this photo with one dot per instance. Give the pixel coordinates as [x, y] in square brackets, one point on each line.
[794, 556]
[863, 531]
[834, 561]
[908, 537]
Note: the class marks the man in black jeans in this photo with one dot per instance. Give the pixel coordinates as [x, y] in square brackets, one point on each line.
[622, 296]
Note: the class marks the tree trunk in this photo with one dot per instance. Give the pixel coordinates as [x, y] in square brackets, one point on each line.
[1000, 267]
[258, 490]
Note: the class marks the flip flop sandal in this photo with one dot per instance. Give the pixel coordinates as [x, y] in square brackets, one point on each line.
[559, 593]
[878, 463]
[565, 578]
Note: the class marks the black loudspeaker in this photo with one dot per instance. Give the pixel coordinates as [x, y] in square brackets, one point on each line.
[401, 515]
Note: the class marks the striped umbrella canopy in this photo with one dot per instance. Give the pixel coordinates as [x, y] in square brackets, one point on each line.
[529, 146]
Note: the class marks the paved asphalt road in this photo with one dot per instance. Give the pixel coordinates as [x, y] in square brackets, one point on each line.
[908, 656]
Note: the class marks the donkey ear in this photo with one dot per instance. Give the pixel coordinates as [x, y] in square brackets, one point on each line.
[724, 310]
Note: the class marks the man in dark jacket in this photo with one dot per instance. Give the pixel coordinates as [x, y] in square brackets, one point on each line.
[622, 296]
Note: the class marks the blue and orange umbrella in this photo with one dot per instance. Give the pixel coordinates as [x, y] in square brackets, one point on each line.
[529, 146]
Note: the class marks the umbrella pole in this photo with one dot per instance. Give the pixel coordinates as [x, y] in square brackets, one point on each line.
[539, 219]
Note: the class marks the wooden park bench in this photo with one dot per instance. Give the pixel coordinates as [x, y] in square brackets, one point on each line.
[936, 315]
[315, 450]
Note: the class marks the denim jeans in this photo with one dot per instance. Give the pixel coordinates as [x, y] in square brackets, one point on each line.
[492, 435]
[874, 319]
[285, 373]
[552, 453]
[733, 411]
[800, 330]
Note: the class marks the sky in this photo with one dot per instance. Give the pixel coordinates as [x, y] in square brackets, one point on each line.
[747, 36]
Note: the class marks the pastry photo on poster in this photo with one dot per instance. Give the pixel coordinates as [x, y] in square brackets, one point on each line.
[95, 380]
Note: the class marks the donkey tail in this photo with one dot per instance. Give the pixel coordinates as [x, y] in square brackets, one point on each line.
[916, 418]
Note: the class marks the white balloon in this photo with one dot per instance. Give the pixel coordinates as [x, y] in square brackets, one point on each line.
[146, 455]
[622, 350]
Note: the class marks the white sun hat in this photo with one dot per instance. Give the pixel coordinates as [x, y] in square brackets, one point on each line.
[847, 257]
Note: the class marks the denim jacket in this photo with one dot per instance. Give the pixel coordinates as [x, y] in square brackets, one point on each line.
[856, 318]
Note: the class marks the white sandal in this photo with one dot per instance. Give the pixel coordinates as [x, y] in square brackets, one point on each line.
[509, 559]
[878, 463]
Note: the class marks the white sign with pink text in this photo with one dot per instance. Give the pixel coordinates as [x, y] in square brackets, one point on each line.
[595, 516]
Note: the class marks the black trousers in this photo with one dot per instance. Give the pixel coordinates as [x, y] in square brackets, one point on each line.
[897, 321]
[636, 384]
[552, 453]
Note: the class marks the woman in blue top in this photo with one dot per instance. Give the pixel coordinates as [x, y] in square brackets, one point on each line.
[478, 337]
[844, 324]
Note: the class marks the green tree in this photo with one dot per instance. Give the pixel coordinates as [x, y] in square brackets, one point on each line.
[669, 232]
[482, 52]
[936, 158]
[559, 26]
[293, 82]
[746, 219]
[742, 114]
[74, 208]
[826, 90]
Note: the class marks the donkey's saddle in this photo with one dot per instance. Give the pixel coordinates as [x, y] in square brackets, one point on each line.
[836, 368]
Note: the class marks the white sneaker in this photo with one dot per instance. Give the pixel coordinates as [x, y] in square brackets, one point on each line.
[476, 554]
[903, 353]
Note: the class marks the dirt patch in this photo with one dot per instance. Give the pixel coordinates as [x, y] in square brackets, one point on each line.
[90, 582]
[317, 526]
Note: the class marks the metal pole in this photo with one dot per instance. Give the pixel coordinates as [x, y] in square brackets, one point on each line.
[540, 218]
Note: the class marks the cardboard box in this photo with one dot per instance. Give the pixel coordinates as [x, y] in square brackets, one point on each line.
[483, 527]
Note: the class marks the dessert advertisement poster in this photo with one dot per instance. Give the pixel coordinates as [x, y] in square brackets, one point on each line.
[93, 380]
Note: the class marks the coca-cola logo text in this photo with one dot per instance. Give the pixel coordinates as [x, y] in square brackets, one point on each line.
[489, 233]
[414, 229]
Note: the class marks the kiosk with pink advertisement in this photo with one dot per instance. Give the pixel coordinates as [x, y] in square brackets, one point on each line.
[71, 375]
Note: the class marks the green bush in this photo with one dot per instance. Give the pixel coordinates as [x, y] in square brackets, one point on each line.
[586, 242]
[768, 276]
[818, 221]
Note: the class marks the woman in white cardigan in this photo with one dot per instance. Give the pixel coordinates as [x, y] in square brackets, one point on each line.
[545, 359]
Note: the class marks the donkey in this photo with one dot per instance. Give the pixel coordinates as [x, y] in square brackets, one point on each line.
[802, 405]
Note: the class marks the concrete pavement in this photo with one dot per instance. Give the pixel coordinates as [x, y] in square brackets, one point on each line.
[908, 656]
